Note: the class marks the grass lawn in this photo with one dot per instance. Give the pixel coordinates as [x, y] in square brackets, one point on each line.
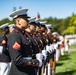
[67, 64]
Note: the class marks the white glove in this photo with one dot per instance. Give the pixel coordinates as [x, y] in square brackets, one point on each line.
[47, 48]
[44, 53]
[39, 57]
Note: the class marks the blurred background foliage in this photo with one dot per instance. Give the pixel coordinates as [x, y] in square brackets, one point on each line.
[62, 26]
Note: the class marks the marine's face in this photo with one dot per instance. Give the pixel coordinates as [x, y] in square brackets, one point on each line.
[11, 29]
[32, 27]
[37, 28]
[6, 30]
[42, 29]
[23, 22]
[48, 31]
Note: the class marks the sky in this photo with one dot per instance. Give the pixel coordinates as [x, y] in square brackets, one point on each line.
[46, 8]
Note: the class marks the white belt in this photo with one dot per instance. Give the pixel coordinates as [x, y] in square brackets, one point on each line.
[1, 48]
[28, 58]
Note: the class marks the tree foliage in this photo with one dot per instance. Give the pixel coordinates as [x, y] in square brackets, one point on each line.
[62, 26]
[5, 20]
[58, 25]
[72, 26]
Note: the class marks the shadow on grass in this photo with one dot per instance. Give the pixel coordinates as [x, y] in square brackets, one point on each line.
[64, 57]
[59, 64]
[67, 73]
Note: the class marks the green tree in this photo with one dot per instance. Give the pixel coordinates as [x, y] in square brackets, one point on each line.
[5, 20]
[72, 26]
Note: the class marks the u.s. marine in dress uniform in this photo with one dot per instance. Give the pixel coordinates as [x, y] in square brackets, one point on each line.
[19, 46]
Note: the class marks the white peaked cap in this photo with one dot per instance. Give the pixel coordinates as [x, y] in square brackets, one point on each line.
[11, 25]
[32, 18]
[43, 22]
[49, 26]
[4, 25]
[19, 12]
[55, 33]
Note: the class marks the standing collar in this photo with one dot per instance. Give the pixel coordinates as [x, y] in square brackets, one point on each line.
[20, 30]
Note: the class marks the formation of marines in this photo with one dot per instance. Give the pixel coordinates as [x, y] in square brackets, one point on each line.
[29, 46]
